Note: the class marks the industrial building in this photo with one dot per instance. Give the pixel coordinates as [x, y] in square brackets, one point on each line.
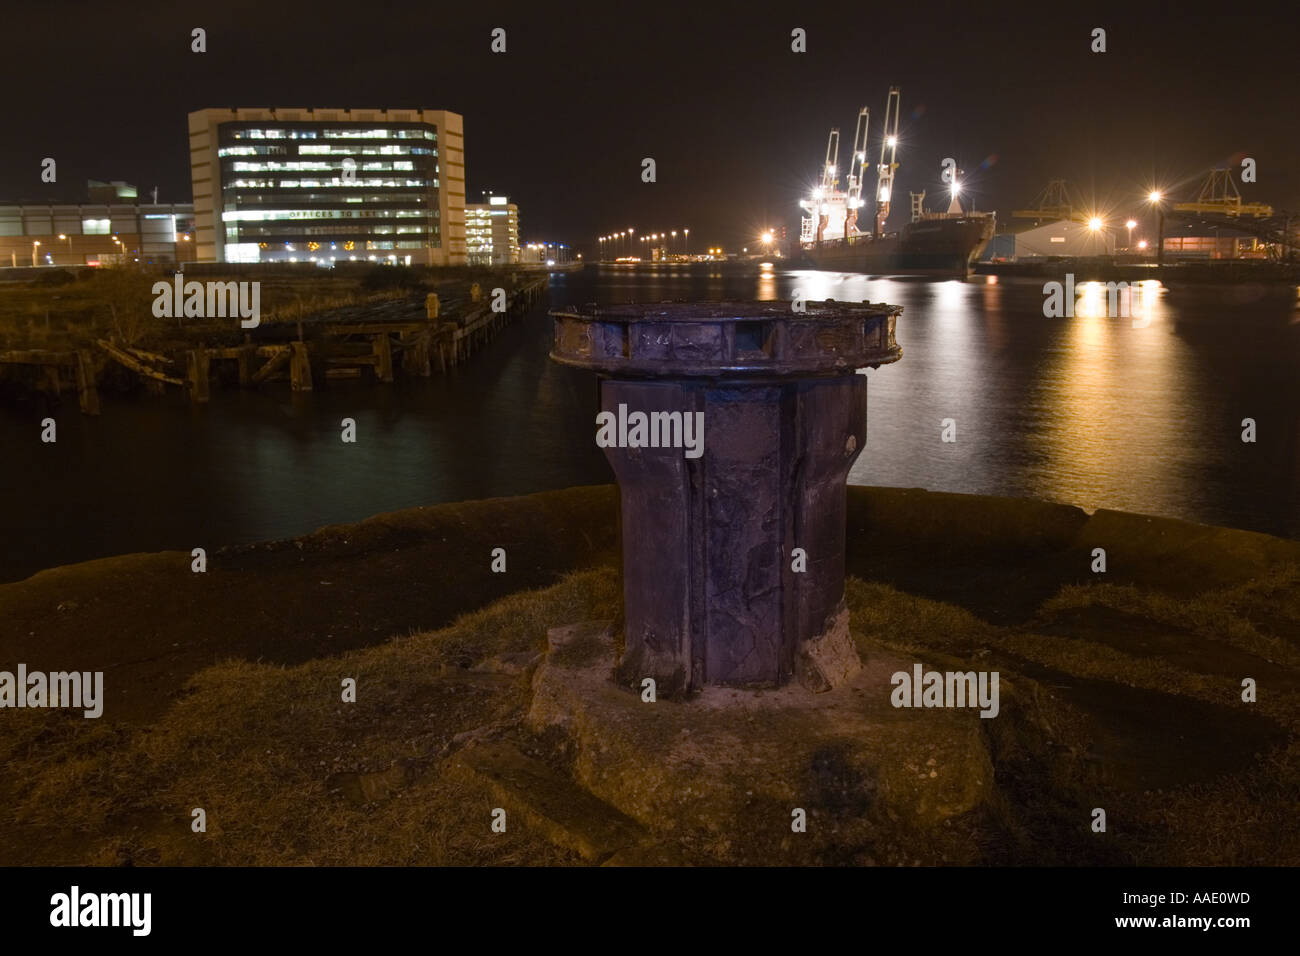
[1200, 240]
[114, 226]
[1064, 237]
[492, 232]
[329, 185]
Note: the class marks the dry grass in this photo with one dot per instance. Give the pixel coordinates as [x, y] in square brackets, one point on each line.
[268, 751]
[261, 748]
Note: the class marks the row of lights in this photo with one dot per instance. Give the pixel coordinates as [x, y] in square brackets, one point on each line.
[621, 241]
[121, 247]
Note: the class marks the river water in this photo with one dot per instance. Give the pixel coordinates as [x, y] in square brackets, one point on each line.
[1086, 410]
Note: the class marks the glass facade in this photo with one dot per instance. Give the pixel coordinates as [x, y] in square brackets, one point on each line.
[328, 191]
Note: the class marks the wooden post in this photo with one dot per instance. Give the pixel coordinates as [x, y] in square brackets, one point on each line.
[87, 393]
[198, 374]
[383, 352]
[300, 368]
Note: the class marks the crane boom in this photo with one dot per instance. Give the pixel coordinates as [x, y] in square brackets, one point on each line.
[885, 171]
[857, 170]
[829, 172]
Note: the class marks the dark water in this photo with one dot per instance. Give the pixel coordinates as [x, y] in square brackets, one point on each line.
[1090, 411]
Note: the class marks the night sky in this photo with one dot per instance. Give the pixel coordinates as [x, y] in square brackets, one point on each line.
[735, 121]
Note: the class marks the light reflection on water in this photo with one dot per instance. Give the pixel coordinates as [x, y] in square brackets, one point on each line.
[1089, 410]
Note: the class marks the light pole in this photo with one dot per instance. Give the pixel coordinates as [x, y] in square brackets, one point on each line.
[1129, 226]
[687, 241]
[69, 239]
[1154, 197]
[36, 244]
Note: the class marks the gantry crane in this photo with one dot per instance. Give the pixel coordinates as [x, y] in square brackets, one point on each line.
[856, 179]
[1220, 196]
[1054, 203]
[885, 171]
[830, 179]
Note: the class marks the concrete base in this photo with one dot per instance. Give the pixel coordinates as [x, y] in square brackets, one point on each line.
[830, 659]
[724, 772]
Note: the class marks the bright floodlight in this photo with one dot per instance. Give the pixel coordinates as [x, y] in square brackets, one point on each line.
[1142, 243]
[1154, 195]
[1131, 224]
[767, 236]
[1094, 223]
[956, 187]
[893, 141]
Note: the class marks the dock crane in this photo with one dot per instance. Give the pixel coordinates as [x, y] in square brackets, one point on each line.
[830, 179]
[1220, 196]
[856, 179]
[885, 171]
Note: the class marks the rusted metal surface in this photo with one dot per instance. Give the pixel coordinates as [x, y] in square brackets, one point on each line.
[714, 590]
[736, 339]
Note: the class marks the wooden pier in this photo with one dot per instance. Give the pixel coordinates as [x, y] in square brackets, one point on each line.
[322, 351]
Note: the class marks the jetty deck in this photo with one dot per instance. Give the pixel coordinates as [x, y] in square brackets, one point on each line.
[379, 341]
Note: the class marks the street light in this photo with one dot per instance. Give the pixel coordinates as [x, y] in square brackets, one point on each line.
[687, 240]
[1154, 197]
[1130, 226]
[36, 243]
[69, 239]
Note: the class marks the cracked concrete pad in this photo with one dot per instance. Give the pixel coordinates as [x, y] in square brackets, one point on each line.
[721, 773]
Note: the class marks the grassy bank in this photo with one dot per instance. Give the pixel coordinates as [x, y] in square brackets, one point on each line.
[1122, 693]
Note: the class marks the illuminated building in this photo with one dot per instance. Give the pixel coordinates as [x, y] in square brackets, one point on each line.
[114, 226]
[492, 232]
[329, 185]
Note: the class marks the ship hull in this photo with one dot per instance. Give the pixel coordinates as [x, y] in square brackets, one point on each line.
[930, 247]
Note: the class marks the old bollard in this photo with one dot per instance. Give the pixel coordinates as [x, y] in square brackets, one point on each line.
[431, 305]
[731, 428]
[475, 292]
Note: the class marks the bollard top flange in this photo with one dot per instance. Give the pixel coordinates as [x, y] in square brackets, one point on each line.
[715, 339]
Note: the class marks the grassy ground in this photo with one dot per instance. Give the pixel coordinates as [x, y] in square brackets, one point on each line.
[285, 735]
[1124, 696]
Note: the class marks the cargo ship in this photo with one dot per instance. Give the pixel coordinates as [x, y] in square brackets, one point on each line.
[933, 243]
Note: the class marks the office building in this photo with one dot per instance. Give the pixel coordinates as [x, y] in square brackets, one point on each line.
[492, 232]
[329, 185]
